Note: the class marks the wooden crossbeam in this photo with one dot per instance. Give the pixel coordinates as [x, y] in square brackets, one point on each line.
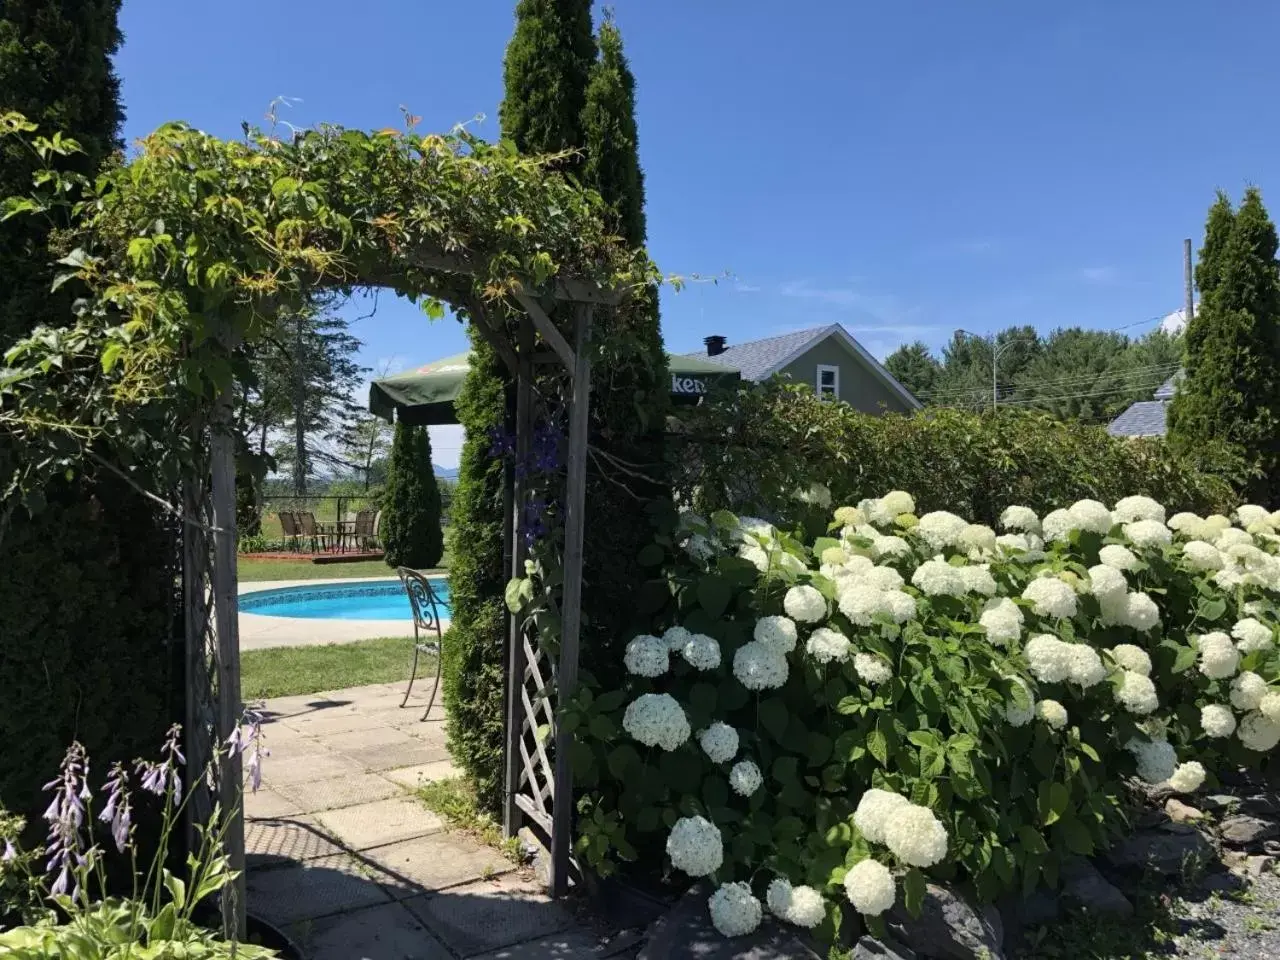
[572, 289]
[548, 329]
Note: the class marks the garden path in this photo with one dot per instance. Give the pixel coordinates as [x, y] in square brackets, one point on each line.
[346, 861]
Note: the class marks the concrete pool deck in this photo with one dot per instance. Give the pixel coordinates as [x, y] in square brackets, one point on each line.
[258, 632]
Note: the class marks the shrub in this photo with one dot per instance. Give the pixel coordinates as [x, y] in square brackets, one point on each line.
[750, 452]
[411, 529]
[88, 645]
[923, 695]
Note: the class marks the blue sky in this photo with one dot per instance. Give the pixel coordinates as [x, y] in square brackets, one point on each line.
[901, 168]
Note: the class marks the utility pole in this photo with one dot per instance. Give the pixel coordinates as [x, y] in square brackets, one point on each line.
[995, 388]
[1188, 282]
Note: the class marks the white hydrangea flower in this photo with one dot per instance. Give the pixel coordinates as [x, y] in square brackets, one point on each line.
[1050, 597]
[1090, 516]
[676, 638]
[977, 579]
[756, 556]
[883, 547]
[745, 778]
[978, 539]
[816, 494]
[1232, 537]
[1247, 691]
[1132, 658]
[805, 604]
[1107, 583]
[834, 557]
[802, 906]
[1252, 635]
[1259, 732]
[735, 912]
[1148, 534]
[760, 666]
[1057, 525]
[1020, 518]
[941, 529]
[656, 720]
[647, 656]
[898, 502]
[1187, 778]
[1218, 656]
[1053, 713]
[695, 846]
[1140, 612]
[1185, 521]
[719, 742]
[869, 887]
[876, 512]
[1049, 658]
[826, 645]
[883, 578]
[1217, 720]
[1002, 619]
[900, 606]
[860, 602]
[1129, 509]
[1270, 706]
[1157, 759]
[937, 578]
[1202, 556]
[916, 836]
[1011, 543]
[1137, 694]
[776, 632]
[1016, 715]
[875, 809]
[1252, 513]
[850, 517]
[1086, 667]
[871, 668]
[701, 652]
[1117, 557]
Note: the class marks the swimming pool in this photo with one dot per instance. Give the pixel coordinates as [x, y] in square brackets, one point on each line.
[356, 600]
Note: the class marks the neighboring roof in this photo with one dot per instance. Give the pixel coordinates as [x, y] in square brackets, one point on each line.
[1146, 418]
[425, 396]
[760, 359]
[1169, 387]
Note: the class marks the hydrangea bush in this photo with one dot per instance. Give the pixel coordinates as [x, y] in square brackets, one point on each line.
[819, 725]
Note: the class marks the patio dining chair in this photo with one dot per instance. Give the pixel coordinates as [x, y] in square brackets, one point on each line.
[363, 529]
[307, 527]
[289, 528]
[427, 635]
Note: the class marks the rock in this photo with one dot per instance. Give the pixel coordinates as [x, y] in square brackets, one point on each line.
[1017, 914]
[1150, 818]
[1242, 830]
[1257, 866]
[1271, 847]
[1220, 802]
[948, 928]
[1180, 812]
[869, 948]
[1083, 884]
[1160, 850]
[1260, 805]
[685, 931]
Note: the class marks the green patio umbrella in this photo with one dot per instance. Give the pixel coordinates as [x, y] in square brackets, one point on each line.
[425, 396]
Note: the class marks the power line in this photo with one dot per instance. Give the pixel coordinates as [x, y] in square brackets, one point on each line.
[1166, 369]
[1079, 396]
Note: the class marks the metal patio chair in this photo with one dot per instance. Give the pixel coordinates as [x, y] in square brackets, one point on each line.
[289, 529]
[426, 621]
[362, 530]
[309, 529]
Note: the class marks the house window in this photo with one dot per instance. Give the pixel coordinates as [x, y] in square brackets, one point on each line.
[828, 382]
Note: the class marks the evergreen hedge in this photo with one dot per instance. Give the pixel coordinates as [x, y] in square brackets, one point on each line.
[411, 529]
[753, 451]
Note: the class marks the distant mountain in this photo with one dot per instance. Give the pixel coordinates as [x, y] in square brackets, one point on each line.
[445, 473]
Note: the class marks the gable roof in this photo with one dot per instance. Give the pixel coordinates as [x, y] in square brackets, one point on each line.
[760, 359]
[1146, 418]
[1166, 390]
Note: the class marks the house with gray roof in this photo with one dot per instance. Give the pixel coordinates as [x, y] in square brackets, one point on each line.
[828, 359]
[1146, 418]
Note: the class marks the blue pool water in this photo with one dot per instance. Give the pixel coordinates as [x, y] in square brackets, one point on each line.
[357, 600]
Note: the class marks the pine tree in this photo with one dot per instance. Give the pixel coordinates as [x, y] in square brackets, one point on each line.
[55, 69]
[411, 529]
[913, 366]
[1231, 391]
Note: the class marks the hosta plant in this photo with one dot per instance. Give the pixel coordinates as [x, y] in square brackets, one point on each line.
[822, 725]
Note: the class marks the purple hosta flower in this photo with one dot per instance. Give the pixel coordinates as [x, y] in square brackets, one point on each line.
[159, 778]
[247, 737]
[65, 814]
[118, 811]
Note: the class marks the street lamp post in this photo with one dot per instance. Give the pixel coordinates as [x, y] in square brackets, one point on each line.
[996, 350]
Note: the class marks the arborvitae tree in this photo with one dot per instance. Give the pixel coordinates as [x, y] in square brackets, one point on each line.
[545, 74]
[69, 666]
[609, 127]
[915, 368]
[411, 529]
[55, 69]
[1231, 392]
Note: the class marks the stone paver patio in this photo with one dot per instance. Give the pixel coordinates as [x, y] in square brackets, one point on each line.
[344, 859]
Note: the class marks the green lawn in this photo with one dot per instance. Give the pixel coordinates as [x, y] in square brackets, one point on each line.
[286, 671]
[248, 569]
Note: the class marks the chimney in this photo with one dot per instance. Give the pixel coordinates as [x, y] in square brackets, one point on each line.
[715, 345]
